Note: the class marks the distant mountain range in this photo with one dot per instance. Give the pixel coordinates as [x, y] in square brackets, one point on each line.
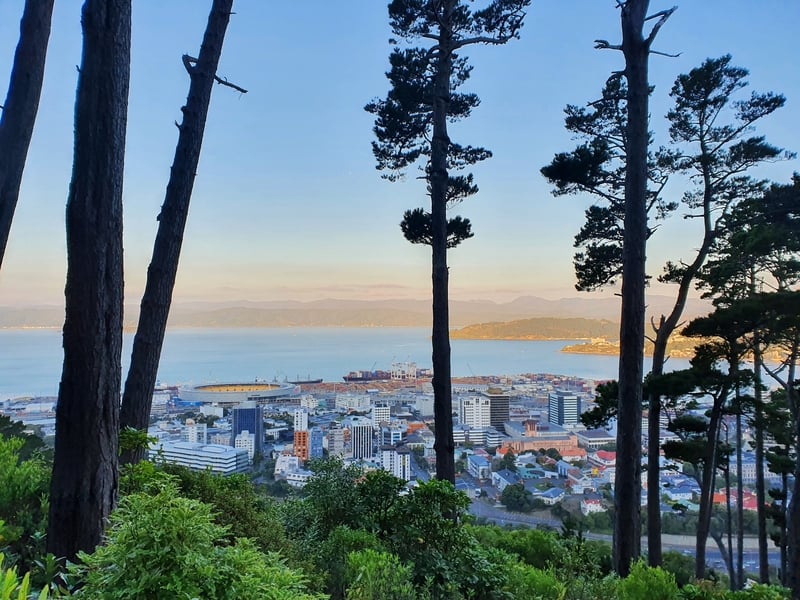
[360, 313]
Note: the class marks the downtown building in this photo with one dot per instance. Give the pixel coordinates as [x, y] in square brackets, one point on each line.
[499, 407]
[250, 419]
[222, 460]
[336, 442]
[564, 408]
[397, 461]
[361, 437]
[301, 435]
[475, 411]
[381, 413]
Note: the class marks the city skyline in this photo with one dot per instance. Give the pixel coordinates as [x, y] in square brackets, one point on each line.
[288, 204]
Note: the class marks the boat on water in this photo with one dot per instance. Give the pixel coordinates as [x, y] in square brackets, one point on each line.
[357, 376]
[307, 380]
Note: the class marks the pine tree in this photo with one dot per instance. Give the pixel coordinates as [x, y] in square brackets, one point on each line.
[21, 106]
[411, 127]
[85, 479]
[157, 299]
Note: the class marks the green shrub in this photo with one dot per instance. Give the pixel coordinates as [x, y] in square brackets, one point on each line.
[331, 556]
[647, 583]
[24, 487]
[759, 592]
[534, 584]
[375, 575]
[681, 566]
[534, 547]
[701, 590]
[11, 588]
[592, 588]
[165, 546]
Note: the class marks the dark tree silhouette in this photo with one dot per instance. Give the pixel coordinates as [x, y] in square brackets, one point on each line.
[84, 485]
[163, 269]
[709, 129]
[628, 487]
[21, 106]
[710, 133]
[411, 128]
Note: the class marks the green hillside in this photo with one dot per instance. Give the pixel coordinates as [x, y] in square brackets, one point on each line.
[541, 328]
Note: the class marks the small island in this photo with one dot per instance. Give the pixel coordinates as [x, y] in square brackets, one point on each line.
[592, 336]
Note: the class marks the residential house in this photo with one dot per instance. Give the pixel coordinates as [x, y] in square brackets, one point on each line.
[503, 478]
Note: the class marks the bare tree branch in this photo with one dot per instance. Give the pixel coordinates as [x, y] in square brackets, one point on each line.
[663, 16]
[482, 39]
[189, 63]
[666, 53]
[604, 45]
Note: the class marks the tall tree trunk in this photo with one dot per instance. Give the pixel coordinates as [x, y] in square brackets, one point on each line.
[665, 329]
[739, 498]
[439, 179]
[627, 491]
[654, 453]
[761, 497]
[791, 573]
[163, 269]
[20, 108]
[729, 522]
[784, 575]
[793, 516]
[84, 483]
[707, 486]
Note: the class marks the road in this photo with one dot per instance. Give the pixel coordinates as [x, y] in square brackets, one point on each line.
[684, 544]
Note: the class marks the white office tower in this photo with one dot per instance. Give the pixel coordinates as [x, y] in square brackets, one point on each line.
[361, 435]
[381, 413]
[475, 411]
[247, 441]
[194, 432]
[564, 408]
[300, 419]
[396, 461]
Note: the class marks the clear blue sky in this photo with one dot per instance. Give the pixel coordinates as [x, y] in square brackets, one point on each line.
[287, 203]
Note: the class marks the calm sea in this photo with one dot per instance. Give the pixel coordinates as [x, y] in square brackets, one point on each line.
[30, 359]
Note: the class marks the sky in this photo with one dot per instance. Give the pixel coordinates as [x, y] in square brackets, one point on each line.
[287, 202]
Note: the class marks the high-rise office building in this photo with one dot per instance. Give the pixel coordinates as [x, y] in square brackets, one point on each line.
[498, 408]
[397, 461]
[564, 408]
[249, 418]
[361, 440]
[475, 411]
[301, 446]
[315, 442]
[336, 441]
[246, 440]
[300, 419]
[381, 413]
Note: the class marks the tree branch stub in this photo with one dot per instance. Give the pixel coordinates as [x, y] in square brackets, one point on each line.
[190, 64]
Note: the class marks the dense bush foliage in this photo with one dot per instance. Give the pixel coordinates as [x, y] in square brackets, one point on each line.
[355, 535]
[24, 485]
[647, 583]
[163, 545]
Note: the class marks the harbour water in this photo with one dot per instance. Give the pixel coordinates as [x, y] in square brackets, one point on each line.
[30, 359]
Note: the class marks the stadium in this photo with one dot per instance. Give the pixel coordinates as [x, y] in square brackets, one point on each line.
[233, 394]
